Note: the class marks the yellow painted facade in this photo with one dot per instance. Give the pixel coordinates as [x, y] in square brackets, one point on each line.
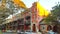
[41, 10]
[19, 3]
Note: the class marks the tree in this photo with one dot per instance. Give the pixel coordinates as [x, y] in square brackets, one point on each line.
[4, 13]
[50, 19]
[10, 8]
[56, 10]
[55, 14]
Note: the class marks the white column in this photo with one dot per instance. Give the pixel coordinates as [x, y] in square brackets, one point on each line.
[31, 19]
[37, 27]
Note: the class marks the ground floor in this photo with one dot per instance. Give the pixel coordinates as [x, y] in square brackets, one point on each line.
[24, 25]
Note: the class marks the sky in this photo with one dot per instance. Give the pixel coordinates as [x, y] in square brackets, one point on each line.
[48, 4]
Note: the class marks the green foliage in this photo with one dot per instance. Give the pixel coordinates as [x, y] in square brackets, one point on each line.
[55, 13]
[56, 10]
[49, 19]
[4, 13]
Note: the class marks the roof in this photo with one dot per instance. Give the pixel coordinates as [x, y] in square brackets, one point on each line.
[20, 3]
